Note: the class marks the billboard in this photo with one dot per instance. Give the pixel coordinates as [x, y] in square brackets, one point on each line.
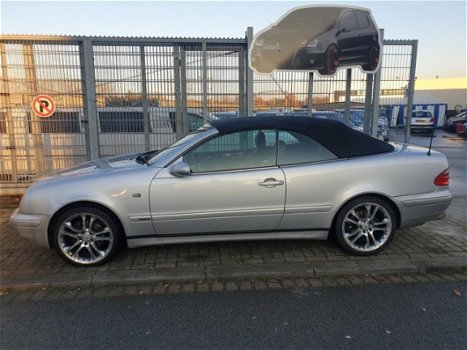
[318, 38]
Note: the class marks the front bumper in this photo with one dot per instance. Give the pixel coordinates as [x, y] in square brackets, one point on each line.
[32, 227]
[304, 59]
[420, 208]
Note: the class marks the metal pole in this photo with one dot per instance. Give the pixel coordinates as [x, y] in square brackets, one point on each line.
[35, 122]
[249, 76]
[144, 91]
[183, 91]
[376, 92]
[348, 89]
[90, 100]
[241, 82]
[205, 82]
[368, 95]
[9, 116]
[411, 88]
[310, 94]
[178, 94]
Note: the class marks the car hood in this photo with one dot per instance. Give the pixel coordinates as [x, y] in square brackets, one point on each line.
[108, 164]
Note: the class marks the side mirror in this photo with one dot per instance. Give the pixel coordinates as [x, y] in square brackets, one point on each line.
[181, 169]
[343, 30]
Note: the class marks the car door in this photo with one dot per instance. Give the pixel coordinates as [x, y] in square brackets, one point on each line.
[234, 186]
[348, 39]
[367, 32]
[308, 167]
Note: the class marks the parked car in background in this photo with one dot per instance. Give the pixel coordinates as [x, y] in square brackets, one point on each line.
[356, 120]
[422, 121]
[226, 114]
[451, 123]
[281, 111]
[239, 179]
[462, 129]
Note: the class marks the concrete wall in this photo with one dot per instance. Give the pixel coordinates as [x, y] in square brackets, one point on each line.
[452, 97]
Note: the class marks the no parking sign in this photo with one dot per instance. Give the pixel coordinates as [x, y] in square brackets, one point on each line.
[43, 106]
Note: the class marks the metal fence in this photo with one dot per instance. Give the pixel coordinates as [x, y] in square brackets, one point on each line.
[123, 95]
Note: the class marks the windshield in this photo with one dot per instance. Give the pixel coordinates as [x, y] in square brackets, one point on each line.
[160, 154]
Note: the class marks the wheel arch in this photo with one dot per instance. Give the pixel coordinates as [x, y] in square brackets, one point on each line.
[77, 204]
[369, 194]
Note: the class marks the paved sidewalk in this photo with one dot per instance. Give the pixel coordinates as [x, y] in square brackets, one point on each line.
[438, 246]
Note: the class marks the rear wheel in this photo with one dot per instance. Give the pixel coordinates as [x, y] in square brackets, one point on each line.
[86, 236]
[373, 59]
[331, 60]
[365, 225]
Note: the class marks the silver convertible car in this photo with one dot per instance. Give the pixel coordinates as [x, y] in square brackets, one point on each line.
[239, 179]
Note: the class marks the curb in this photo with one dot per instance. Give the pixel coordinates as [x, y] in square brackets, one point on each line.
[225, 273]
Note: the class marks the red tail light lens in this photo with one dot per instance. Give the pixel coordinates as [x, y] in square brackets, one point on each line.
[442, 179]
[432, 120]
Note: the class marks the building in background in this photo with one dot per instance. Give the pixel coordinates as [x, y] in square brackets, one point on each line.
[452, 91]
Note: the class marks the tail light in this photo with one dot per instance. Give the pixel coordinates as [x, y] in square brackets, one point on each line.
[442, 179]
[432, 120]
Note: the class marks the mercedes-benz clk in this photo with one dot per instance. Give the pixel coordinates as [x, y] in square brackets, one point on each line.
[239, 179]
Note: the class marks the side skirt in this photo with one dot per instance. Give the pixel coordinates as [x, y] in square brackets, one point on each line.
[151, 240]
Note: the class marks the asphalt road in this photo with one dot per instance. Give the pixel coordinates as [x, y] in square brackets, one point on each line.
[385, 316]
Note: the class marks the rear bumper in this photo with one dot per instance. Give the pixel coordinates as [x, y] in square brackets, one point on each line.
[32, 227]
[420, 208]
[422, 127]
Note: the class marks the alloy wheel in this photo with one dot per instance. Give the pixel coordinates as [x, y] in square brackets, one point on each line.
[85, 238]
[366, 227]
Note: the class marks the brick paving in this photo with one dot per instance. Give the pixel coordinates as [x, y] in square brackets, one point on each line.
[439, 246]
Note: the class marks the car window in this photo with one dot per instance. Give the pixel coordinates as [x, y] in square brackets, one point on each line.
[240, 150]
[362, 19]
[195, 121]
[348, 21]
[295, 148]
[121, 121]
[173, 148]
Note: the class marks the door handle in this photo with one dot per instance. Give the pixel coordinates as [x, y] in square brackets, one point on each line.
[271, 182]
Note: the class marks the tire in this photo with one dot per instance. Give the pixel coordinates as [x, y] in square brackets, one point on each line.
[365, 225]
[91, 244]
[372, 59]
[331, 60]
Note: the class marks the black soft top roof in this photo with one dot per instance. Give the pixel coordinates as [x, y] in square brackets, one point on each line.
[343, 141]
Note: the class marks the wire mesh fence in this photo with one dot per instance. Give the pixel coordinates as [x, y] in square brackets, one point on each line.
[126, 95]
[32, 146]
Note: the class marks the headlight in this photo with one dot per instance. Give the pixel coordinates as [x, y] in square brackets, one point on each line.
[312, 43]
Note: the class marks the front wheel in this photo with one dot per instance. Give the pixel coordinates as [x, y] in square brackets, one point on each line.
[86, 236]
[331, 60]
[365, 225]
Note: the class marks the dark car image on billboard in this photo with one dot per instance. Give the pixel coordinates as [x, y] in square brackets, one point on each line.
[318, 38]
